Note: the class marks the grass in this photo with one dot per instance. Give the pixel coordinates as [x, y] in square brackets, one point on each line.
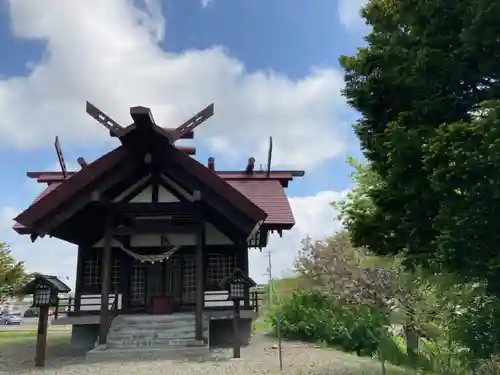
[9, 337]
[261, 325]
[24, 333]
[14, 335]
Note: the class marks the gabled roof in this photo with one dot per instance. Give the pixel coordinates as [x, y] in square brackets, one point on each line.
[90, 175]
[57, 196]
[270, 196]
[267, 194]
[257, 197]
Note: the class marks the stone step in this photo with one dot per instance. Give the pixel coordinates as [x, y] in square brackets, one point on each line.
[148, 328]
[156, 318]
[154, 324]
[161, 342]
[151, 330]
[172, 353]
[164, 336]
[172, 323]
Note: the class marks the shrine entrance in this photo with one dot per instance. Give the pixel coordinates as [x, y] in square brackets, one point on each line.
[154, 280]
[147, 281]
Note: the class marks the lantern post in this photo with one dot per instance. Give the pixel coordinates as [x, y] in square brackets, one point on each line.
[45, 290]
[236, 285]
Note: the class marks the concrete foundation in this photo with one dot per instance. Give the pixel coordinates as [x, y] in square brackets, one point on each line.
[221, 332]
[84, 336]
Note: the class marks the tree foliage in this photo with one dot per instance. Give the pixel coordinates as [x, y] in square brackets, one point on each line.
[422, 85]
[12, 273]
[335, 268]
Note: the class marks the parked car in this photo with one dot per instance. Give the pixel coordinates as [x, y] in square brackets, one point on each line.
[11, 319]
[31, 313]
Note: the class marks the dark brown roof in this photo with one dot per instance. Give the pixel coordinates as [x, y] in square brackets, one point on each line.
[46, 191]
[270, 196]
[283, 176]
[260, 193]
[77, 182]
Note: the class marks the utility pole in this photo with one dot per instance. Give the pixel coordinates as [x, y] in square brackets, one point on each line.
[270, 280]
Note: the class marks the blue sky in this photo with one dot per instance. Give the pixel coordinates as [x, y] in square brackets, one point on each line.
[279, 55]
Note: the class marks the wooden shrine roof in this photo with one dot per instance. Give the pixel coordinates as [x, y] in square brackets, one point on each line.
[257, 196]
[268, 193]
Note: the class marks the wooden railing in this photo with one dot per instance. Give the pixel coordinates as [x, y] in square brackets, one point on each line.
[68, 305]
[256, 300]
[219, 299]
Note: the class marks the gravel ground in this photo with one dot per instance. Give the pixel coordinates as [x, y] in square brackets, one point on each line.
[260, 357]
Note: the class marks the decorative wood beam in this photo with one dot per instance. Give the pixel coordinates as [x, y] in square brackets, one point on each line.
[114, 128]
[131, 192]
[82, 162]
[193, 122]
[60, 157]
[145, 209]
[142, 117]
[78, 203]
[187, 149]
[188, 135]
[184, 178]
[153, 226]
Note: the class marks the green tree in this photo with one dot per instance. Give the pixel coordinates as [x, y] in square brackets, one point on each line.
[421, 85]
[12, 273]
[424, 300]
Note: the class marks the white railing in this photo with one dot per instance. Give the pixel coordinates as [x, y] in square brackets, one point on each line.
[218, 298]
[92, 302]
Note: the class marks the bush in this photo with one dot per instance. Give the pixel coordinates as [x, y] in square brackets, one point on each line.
[312, 317]
[477, 328]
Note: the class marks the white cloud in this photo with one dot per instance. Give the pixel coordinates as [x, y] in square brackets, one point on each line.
[206, 3]
[349, 14]
[314, 216]
[46, 255]
[109, 55]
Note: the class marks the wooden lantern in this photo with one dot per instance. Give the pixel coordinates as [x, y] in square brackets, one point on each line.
[45, 290]
[236, 285]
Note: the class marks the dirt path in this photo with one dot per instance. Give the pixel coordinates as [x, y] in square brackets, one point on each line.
[261, 357]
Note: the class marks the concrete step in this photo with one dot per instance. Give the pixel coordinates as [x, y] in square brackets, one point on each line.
[157, 318]
[151, 330]
[154, 331]
[148, 328]
[153, 334]
[171, 323]
[172, 353]
[162, 342]
[151, 338]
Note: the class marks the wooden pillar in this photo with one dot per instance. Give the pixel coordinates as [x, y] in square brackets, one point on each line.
[79, 280]
[105, 282]
[243, 251]
[199, 266]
